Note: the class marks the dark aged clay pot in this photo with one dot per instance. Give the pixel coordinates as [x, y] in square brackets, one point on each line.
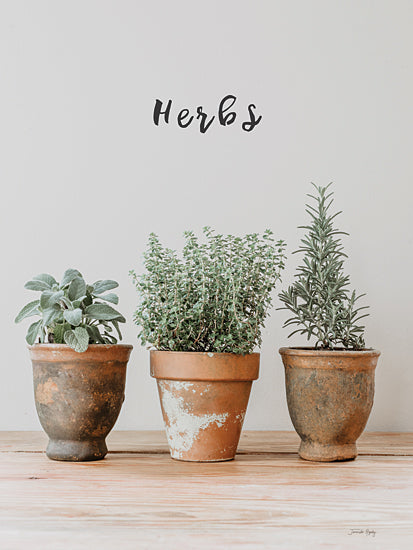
[204, 398]
[329, 396]
[78, 397]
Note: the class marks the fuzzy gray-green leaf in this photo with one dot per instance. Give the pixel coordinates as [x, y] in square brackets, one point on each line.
[59, 332]
[102, 286]
[103, 312]
[46, 278]
[28, 310]
[69, 275]
[112, 298]
[116, 325]
[77, 288]
[49, 298]
[78, 339]
[37, 285]
[52, 314]
[73, 316]
[33, 332]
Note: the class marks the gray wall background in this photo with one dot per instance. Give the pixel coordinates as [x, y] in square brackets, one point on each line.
[86, 175]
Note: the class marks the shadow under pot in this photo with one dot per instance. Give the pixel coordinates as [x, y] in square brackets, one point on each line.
[78, 397]
[330, 396]
[204, 398]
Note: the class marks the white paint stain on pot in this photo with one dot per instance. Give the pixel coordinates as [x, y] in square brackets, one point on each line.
[178, 385]
[207, 387]
[184, 427]
[240, 417]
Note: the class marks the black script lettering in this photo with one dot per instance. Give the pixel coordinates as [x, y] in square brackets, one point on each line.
[203, 125]
[182, 116]
[157, 111]
[252, 123]
[226, 120]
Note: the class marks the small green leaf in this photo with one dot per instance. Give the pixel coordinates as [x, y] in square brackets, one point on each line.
[103, 312]
[59, 332]
[94, 334]
[51, 314]
[102, 286]
[49, 298]
[112, 298]
[68, 303]
[77, 288]
[110, 338]
[69, 275]
[78, 339]
[46, 278]
[88, 300]
[74, 316]
[33, 332]
[36, 285]
[28, 311]
[76, 303]
[116, 325]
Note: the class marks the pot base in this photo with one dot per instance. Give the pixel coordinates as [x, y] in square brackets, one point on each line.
[203, 460]
[318, 452]
[76, 451]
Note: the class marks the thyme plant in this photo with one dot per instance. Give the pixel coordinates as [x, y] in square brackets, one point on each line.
[214, 298]
[72, 312]
[319, 299]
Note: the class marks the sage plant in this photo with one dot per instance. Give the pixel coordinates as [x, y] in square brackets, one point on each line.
[72, 312]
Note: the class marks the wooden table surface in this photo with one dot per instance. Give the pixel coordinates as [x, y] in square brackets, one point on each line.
[138, 498]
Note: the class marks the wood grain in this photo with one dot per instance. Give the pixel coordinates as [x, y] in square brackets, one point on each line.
[256, 442]
[266, 498]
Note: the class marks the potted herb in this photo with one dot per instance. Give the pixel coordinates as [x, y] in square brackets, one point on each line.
[79, 369]
[330, 387]
[202, 314]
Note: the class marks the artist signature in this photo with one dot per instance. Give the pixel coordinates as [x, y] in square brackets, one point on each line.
[367, 532]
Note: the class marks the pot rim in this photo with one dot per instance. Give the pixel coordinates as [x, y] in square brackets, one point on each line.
[65, 346]
[209, 353]
[311, 352]
[95, 353]
[204, 366]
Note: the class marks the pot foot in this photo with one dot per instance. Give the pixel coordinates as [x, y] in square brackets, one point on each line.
[319, 452]
[202, 459]
[76, 451]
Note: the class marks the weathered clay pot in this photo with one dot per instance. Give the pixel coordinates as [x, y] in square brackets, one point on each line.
[329, 396]
[204, 398]
[78, 397]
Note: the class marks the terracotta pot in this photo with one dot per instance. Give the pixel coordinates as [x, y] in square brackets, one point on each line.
[329, 396]
[78, 397]
[204, 398]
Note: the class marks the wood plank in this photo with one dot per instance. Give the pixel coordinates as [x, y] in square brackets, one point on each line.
[257, 501]
[370, 443]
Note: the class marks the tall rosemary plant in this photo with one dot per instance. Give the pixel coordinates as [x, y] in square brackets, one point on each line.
[319, 298]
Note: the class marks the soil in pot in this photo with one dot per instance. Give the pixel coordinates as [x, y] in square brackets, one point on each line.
[330, 396]
[204, 398]
[78, 397]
